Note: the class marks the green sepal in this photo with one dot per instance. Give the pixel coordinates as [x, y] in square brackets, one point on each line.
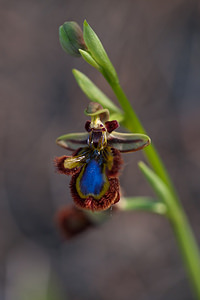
[72, 141]
[94, 93]
[128, 142]
[98, 53]
[96, 113]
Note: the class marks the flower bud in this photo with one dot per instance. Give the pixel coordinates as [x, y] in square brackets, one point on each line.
[72, 221]
[71, 38]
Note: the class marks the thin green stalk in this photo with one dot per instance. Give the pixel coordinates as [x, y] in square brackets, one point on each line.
[188, 247]
[133, 124]
[182, 230]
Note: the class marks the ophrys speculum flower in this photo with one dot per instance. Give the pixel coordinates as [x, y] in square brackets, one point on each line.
[96, 160]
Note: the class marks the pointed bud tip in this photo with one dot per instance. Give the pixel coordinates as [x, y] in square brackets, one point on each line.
[85, 23]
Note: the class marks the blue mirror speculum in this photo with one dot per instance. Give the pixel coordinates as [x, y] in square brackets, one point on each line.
[95, 163]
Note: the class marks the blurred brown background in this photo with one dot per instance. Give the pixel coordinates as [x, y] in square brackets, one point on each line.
[155, 47]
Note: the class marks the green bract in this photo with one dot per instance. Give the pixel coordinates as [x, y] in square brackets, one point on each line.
[88, 58]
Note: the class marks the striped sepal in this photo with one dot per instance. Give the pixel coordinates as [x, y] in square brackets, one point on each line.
[73, 141]
[128, 142]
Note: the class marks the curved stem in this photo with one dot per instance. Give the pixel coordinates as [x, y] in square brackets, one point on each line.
[133, 124]
[181, 227]
[182, 230]
[188, 247]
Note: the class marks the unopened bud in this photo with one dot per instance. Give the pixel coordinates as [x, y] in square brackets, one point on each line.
[71, 38]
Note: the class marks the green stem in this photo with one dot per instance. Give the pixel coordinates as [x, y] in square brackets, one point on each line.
[187, 243]
[182, 230]
[133, 124]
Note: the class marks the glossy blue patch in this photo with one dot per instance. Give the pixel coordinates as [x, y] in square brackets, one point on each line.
[92, 180]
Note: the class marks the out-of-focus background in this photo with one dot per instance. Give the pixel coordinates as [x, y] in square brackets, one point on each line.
[155, 47]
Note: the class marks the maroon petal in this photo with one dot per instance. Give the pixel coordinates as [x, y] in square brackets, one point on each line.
[111, 125]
